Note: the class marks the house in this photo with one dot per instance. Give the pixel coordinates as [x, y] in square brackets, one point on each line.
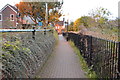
[59, 26]
[8, 17]
[27, 22]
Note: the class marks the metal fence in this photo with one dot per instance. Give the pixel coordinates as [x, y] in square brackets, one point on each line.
[27, 30]
[102, 55]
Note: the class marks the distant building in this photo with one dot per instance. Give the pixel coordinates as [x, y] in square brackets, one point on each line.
[8, 17]
[27, 20]
[59, 26]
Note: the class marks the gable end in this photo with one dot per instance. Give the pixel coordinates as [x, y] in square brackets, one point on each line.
[9, 7]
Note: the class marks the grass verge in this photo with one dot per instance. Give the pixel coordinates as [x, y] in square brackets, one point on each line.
[88, 71]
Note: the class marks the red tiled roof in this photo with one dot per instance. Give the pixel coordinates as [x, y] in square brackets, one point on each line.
[60, 23]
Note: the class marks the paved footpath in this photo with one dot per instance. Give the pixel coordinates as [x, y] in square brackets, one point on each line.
[63, 63]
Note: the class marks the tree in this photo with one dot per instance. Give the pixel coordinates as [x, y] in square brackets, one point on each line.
[87, 21]
[36, 10]
[100, 15]
[100, 12]
[77, 24]
[31, 9]
[70, 27]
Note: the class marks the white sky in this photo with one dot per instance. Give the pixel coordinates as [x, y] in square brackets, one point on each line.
[78, 8]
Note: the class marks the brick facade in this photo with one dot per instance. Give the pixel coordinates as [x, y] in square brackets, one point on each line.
[6, 12]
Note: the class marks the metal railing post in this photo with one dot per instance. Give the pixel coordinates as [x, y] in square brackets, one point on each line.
[33, 33]
[119, 60]
[91, 51]
[45, 31]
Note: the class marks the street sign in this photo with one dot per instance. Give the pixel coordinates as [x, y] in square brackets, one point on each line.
[40, 24]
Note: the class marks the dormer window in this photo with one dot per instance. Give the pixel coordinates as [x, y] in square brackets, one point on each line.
[0, 17]
[11, 17]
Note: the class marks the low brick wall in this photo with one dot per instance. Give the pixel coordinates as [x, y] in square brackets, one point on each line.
[22, 56]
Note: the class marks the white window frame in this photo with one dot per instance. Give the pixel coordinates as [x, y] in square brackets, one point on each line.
[11, 18]
[1, 17]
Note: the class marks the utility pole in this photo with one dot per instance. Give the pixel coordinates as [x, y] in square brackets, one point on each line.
[46, 16]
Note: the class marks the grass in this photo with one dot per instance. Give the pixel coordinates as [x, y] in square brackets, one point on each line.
[89, 73]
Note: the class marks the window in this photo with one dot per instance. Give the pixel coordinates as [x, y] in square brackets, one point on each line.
[11, 17]
[0, 17]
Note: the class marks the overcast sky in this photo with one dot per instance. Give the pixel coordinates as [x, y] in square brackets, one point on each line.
[78, 8]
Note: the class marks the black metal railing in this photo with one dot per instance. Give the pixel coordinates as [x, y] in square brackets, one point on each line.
[100, 54]
[26, 30]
